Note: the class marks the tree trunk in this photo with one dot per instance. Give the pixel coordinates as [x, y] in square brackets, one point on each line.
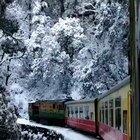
[8, 73]
[62, 7]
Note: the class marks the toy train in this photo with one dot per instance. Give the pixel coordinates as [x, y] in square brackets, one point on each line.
[108, 116]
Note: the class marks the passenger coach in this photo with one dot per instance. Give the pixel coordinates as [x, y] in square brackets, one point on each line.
[81, 115]
[114, 112]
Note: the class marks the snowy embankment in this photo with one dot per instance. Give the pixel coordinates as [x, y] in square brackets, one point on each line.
[66, 132]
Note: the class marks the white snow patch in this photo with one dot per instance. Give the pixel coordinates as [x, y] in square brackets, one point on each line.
[19, 98]
[66, 132]
[1, 33]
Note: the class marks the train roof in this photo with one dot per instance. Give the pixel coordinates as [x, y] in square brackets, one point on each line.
[113, 89]
[80, 101]
[50, 101]
[116, 87]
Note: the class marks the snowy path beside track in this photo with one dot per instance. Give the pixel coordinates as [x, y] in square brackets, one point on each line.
[66, 132]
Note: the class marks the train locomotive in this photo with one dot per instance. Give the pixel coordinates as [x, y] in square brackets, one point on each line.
[108, 115]
[48, 112]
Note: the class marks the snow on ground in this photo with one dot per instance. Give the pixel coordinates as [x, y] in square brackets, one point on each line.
[66, 132]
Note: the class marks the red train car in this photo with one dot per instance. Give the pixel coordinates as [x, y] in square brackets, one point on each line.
[81, 115]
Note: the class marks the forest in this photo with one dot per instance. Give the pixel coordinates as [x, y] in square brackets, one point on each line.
[58, 49]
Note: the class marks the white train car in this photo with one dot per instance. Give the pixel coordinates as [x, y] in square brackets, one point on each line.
[81, 115]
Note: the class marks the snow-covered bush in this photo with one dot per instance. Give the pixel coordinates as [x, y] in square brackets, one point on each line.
[38, 133]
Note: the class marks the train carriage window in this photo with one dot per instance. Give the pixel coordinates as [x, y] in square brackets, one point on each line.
[44, 105]
[81, 112]
[50, 106]
[91, 116]
[106, 112]
[57, 107]
[86, 112]
[76, 112]
[53, 106]
[72, 112]
[118, 118]
[68, 111]
[125, 121]
[100, 115]
[111, 113]
[111, 121]
[118, 102]
[60, 107]
[102, 112]
[118, 113]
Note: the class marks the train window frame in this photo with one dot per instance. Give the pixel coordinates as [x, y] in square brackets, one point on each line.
[76, 111]
[118, 110]
[106, 112]
[103, 115]
[86, 112]
[125, 123]
[116, 105]
[68, 111]
[72, 112]
[100, 114]
[91, 112]
[54, 106]
[111, 111]
[81, 110]
[60, 107]
[91, 117]
[50, 106]
[44, 105]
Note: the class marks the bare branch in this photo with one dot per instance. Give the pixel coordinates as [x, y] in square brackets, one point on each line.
[10, 58]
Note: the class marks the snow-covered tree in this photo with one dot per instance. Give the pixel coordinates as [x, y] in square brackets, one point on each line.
[8, 115]
[52, 72]
[75, 48]
[69, 34]
[11, 49]
[104, 59]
